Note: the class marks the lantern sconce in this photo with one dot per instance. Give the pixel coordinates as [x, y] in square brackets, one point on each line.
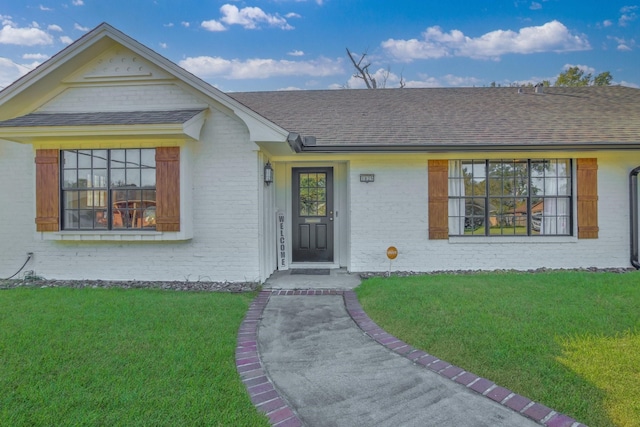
[268, 173]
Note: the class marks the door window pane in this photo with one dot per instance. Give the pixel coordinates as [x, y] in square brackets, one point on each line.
[312, 194]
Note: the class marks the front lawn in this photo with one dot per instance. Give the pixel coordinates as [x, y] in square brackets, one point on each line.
[121, 357]
[570, 340]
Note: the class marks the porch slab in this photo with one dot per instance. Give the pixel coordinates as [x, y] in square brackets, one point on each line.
[338, 278]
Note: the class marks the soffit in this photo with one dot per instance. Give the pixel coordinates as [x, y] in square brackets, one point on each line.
[174, 123]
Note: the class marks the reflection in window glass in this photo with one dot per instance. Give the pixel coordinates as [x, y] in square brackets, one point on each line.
[510, 197]
[312, 194]
[108, 189]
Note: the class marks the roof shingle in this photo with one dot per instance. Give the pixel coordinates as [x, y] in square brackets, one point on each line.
[455, 116]
[101, 118]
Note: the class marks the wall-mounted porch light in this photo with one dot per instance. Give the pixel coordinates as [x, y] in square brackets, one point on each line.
[268, 173]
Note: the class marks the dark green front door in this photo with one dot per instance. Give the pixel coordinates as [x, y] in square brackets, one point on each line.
[312, 214]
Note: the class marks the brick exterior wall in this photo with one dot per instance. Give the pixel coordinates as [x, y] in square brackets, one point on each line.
[231, 211]
[393, 211]
[222, 169]
[17, 206]
[121, 98]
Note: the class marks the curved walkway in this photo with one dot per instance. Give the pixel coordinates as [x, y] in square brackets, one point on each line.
[314, 358]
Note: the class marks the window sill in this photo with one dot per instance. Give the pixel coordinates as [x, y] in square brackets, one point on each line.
[527, 240]
[113, 236]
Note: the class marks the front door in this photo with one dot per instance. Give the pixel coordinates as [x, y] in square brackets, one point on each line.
[312, 190]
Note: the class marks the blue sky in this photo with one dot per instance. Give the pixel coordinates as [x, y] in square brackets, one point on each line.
[300, 44]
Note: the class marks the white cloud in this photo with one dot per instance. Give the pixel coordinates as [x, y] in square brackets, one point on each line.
[79, 27]
[66, 40]
[607, 23]
[257, 68]
[213, 25]
[77, 2]
[296, 53]
[383, 76]
[44, 8]
[292, 15]
[27, 36]
[623, 45]
[425, 80]
[535, 6]
[169, 25]
[629, 84]
[251, 17]
[585, 68]
[628, 15]
[451, 80]
[550, 37]
[185, 24]
[10, 71]
[36, 56]
[163, 45]
[54, 27]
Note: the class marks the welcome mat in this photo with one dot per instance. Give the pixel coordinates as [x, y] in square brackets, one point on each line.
[311, 271]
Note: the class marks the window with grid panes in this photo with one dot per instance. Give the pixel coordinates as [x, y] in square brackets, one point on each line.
[510, 197]
[109, 189]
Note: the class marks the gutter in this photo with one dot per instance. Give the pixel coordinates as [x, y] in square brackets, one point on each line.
[633, 198]
[308, 145]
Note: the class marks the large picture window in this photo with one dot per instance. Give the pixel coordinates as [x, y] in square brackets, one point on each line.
[510, 197]
[108, 189]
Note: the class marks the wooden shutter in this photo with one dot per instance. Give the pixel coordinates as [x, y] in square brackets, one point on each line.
[438, 199]
[168, 189]
[47, 190]
[587, 177]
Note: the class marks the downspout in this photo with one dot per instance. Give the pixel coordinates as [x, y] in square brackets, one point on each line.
[633, 198]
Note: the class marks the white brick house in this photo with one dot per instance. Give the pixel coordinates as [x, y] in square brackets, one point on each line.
[117, 164]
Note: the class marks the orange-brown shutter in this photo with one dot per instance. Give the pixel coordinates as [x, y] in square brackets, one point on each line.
[47, 190]
[438, 199]
[168, 189]
[587, 177]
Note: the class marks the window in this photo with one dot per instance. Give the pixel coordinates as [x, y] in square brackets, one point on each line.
[108, 189]
[313, 194]
[510, 197]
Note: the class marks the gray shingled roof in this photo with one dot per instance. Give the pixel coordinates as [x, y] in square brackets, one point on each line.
[101, 118]
[455, 116]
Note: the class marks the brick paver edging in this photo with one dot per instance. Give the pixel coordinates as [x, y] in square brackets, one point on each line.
[536, 411]
[267, 399]
[260, 387]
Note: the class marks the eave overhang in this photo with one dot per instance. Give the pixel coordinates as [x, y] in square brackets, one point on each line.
[188, 129]
[103, 37]
[467, 148]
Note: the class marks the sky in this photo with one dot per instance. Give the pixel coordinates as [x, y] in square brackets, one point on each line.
[258, 45]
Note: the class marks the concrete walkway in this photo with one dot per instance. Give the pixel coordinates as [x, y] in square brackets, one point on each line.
[312, 357]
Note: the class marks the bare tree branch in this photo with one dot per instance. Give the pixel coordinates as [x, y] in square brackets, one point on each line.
[363, 70]
[361, 65]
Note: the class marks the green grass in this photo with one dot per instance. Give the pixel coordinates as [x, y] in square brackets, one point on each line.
[569, 340]
[114, 357]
